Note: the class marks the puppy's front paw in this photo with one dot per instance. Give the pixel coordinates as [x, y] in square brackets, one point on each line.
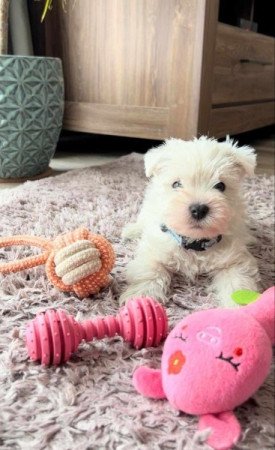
[226, 300]
[131, 231]
[143, 290]
[125, 296]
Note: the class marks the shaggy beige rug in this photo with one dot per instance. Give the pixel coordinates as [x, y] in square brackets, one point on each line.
[90, 403]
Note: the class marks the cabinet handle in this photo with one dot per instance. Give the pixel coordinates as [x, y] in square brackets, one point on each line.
[255, 61]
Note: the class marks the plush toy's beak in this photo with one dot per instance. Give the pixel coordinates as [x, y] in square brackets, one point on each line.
[263, 310]
[225, 429]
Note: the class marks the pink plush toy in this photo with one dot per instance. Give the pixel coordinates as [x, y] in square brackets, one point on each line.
[212, 362]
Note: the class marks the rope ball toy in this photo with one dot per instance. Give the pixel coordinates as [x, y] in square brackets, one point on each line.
[53, 336]
[78, 261]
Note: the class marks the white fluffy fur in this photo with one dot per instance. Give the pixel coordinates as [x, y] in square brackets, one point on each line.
[199, 165]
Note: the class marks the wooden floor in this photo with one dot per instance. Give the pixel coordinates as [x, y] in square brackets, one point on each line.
[265, 155]
[263, 140]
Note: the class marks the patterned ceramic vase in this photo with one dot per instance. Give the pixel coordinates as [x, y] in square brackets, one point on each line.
[31, 113]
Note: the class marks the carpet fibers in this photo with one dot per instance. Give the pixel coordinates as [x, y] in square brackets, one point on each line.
[90, 403]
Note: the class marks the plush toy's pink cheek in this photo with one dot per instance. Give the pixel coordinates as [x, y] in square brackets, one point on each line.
[176, 361]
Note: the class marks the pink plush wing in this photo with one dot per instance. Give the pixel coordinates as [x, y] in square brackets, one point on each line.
[225, 429]
[148, 382]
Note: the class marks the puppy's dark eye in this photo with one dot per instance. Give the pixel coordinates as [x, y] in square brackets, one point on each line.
[176, 184]
[220, 186]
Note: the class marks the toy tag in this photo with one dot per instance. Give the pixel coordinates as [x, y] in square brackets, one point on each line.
[244, 296]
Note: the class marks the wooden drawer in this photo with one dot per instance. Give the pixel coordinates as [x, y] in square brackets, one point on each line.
[236, 119]
[243, 67]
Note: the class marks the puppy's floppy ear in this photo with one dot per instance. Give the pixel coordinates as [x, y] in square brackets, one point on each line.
[153, 160]
[244, 157]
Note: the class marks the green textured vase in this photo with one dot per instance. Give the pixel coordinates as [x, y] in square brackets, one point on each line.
[31, 113]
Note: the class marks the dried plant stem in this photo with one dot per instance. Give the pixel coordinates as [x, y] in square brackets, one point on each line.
[48, 5]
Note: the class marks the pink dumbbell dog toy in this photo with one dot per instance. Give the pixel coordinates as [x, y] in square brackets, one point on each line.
[53, 336]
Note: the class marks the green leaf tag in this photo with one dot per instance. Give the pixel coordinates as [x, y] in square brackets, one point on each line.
[244, 296]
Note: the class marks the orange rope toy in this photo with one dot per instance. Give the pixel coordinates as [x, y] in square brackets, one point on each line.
[78, 261]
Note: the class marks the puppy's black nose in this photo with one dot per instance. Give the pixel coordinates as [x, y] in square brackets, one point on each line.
[198, 211]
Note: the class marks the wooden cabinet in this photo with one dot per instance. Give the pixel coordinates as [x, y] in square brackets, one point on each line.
[243, 81]
[160, 68]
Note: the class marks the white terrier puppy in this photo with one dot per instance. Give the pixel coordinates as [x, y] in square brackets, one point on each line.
[193, 219]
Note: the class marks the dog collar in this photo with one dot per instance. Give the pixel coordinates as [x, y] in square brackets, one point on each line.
[199, 245]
